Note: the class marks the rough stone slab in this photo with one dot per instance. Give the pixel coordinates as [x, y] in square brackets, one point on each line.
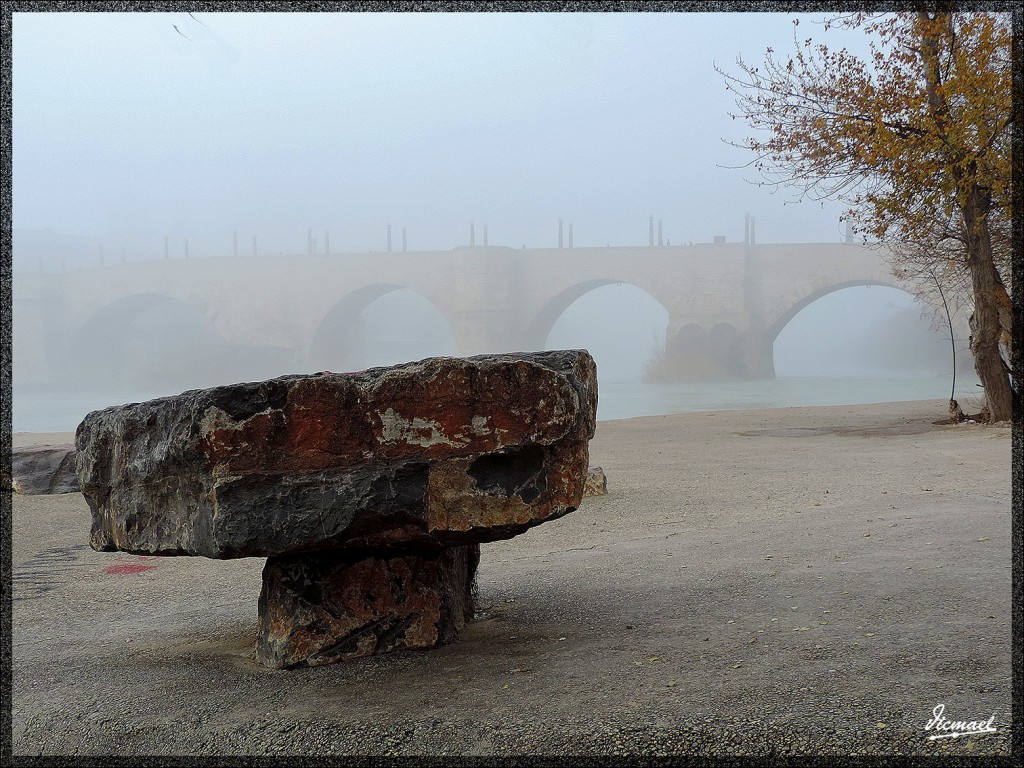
[43, 469]
[445, 451]
[321, 608]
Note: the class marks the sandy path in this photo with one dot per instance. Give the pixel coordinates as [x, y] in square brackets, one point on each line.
[813, 580]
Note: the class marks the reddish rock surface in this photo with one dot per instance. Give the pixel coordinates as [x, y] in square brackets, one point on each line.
[322, 608]
[369, 492]
[443, 451]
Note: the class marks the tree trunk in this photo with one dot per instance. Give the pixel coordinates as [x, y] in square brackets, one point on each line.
[986, 328]
[975, 204]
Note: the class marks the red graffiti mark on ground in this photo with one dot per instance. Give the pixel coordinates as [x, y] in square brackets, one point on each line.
[124, 568]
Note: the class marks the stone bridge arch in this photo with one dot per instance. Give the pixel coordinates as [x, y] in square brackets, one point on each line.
[338, 340]
[539, 326]
[108, 346]
[620, 340]
[776, 324]
[764, 344]
[125, 309]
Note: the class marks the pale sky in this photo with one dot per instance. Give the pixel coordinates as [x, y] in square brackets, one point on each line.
[127, 129]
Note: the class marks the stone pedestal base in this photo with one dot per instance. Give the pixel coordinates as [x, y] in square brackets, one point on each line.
[320, 608]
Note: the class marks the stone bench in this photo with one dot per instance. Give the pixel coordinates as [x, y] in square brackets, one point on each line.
[369, 493]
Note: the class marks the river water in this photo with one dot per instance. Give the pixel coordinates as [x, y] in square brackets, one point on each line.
[62, 412]
[623, 401]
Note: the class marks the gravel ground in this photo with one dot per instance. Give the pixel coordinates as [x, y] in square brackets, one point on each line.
[795, 581]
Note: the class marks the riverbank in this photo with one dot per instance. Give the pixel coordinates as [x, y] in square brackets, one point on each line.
[46, 411]
[808, 580]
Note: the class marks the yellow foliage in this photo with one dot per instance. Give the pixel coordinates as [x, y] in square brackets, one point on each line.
[917, 139]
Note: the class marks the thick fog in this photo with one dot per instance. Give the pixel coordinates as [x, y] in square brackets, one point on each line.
[132, 126]
[161, 136]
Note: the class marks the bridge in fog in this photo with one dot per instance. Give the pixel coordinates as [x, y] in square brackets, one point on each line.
[726, 302]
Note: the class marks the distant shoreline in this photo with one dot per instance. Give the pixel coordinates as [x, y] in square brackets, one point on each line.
[816, 414]
[38, 411]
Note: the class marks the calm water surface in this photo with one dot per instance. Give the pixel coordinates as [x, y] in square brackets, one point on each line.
[52, 412]
[624, 401]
